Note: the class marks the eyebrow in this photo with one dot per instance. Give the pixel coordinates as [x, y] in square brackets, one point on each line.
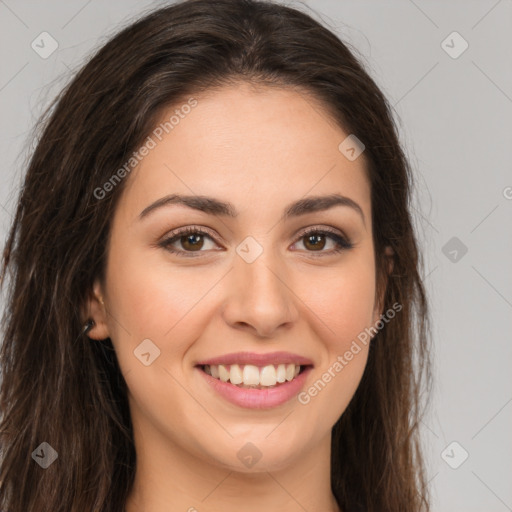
[213, 206]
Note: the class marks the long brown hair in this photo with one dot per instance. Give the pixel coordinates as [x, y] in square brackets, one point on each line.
[60, 388]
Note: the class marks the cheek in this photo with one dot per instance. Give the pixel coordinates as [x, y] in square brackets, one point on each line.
[341, 307]
[343, 301]
[156, 301]
[343, 311]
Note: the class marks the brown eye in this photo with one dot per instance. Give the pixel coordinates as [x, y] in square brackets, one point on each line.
[316, 242]
[192, 242]
[187, 241]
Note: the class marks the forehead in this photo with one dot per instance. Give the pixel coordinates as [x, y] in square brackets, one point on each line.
[252, 145]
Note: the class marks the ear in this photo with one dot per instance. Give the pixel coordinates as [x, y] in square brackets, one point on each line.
[379, 302]
[96, 310]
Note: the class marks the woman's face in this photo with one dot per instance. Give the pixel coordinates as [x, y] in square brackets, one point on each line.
[250, 281]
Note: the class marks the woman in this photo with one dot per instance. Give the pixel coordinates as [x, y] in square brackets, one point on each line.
[215, 300]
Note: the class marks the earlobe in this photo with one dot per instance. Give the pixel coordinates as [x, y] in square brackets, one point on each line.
[97, 313]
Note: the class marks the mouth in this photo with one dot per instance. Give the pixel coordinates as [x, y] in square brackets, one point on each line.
[250, 376]
[255, 387]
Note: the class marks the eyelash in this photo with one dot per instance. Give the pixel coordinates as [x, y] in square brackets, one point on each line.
[342, 243]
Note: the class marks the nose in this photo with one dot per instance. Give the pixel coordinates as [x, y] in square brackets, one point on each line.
[260, 297]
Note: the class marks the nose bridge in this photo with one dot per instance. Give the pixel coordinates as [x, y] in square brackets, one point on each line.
[262, 277]
[261, 295]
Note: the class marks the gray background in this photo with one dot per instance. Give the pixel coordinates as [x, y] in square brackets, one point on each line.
[455, 118]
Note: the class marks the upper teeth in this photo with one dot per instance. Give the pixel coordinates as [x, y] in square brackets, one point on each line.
[251, 375]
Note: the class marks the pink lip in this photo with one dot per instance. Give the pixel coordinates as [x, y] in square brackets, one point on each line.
[258, 398]
[258, 359]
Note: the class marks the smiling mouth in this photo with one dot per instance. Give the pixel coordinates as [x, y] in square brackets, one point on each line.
[254, 377]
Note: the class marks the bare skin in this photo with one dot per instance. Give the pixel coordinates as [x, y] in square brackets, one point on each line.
[260, 150]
